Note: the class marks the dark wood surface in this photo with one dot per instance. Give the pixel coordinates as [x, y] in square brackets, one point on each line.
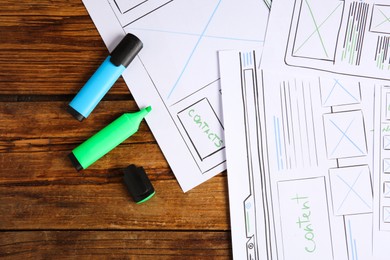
[48, 49]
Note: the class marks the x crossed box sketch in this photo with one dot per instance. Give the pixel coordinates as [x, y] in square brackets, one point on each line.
[336, 92]
[380, 21]
[351, 190]
[386, 165]
[345, 134]
[317, 29]
[386, 214]
[386, 142]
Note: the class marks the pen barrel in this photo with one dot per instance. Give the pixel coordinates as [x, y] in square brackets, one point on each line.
[108, 138]
[96, 87]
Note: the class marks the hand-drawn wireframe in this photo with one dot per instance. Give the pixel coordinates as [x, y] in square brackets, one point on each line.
[382, 159]
[318, 40]
[382, 56]
[303, 210]
[334, 92]
[350, 192]
[177, 70]
[345, 37]
[380, 22]
[345, 135]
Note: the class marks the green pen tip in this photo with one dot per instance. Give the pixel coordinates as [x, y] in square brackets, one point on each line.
[149, 108]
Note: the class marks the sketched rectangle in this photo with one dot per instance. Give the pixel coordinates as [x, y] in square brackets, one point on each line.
[386, 165]
[380, 19]
[338, 92]
[126, 5]
[386, 214]
[131, 11]
[386, 142]
[351, 190]
[386, 189]
[299, 199]
[203, 128]
[319, 40]
[345, 134]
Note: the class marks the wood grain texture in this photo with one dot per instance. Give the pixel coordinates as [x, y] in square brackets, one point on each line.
[48, 210]
[48, 47]
[115, 245]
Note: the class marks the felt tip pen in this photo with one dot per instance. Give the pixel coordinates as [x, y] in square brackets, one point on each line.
[104, 77]
[107, 139]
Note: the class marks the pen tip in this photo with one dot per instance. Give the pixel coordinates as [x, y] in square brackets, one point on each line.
[149, 108]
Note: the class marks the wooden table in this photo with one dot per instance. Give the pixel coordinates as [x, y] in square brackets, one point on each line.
[48, 49]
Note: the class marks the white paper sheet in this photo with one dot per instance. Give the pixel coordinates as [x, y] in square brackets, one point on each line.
[300, 171]
[177, 70]
[307, 140]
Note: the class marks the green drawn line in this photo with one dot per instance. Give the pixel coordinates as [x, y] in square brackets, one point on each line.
[386, 20]
[317, 29]
[247, 222]
[377, 61]
[347, 41]
[308, 38]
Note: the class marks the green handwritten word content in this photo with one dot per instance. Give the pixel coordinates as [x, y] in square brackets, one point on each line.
[205, 128]
[304, 222]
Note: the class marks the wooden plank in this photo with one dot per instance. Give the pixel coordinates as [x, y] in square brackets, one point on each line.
[40, 126]
[40, 189]
[114, 244]
[98, 205]
[36, 138]
[49, 47]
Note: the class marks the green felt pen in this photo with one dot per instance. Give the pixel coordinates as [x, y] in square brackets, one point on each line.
[107, 139]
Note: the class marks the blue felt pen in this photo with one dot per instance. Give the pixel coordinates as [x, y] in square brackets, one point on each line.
[104, 77]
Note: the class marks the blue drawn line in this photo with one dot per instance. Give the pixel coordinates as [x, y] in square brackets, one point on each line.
[355, 250]
[337, 83]
[194, 49]
[352, 242]
[196, 34]
[346, 136]
[351, 189]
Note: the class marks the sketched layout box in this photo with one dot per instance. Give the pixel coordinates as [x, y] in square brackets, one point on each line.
[386, 165]
[303, 207]
[345, 134]
[317, 29]
[386, 214]
[387, 108]
[380, 19]
[351, 190]
[203, 127]
[133, 10]
[337, 92]
[386, 142]
[386, 189]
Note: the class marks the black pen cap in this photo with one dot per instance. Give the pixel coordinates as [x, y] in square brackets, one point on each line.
[126, 50]
[138, 183]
